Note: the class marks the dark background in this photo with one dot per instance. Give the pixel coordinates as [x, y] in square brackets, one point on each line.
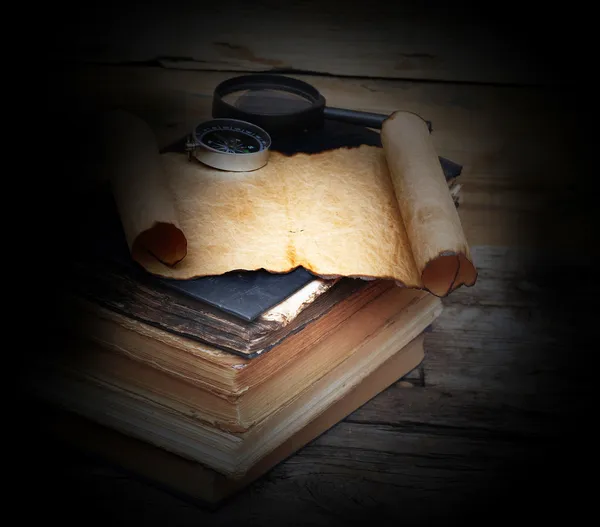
[534, 47]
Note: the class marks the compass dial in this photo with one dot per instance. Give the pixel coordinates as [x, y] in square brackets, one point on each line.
[231, 144]
[233, 138]
[231, 141]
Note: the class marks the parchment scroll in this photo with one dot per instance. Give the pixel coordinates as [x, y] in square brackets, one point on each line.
[363, 212]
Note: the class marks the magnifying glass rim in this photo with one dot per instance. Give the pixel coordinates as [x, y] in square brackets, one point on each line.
[270, 82]
[272, 123]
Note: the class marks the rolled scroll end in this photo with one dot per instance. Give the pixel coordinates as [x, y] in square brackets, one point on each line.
[448, 272]
[164, 241]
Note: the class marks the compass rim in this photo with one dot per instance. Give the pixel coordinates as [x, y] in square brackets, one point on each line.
[231, 161]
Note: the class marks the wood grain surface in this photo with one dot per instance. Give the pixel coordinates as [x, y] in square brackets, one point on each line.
[416, 40]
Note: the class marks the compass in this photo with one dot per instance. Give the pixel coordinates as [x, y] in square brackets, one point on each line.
[230, 144]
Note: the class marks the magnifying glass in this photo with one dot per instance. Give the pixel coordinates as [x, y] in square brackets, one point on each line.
[283, 106]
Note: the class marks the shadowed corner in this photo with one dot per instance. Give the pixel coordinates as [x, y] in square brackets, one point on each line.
[563, 380]
[63, 184]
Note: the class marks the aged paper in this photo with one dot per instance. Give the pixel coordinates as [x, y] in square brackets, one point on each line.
[363, 212]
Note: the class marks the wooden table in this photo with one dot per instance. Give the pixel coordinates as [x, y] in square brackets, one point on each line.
[495, 422]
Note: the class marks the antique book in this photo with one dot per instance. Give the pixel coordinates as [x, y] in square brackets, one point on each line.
[136, 295]
[194, 481]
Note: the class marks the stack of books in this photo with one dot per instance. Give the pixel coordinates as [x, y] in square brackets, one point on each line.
[203, 402]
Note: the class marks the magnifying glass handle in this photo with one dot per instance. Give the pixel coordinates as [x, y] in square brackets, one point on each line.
[375, 120]
[368, 119]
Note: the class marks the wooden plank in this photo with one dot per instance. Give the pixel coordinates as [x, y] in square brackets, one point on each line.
[511, 333]
[374, 39]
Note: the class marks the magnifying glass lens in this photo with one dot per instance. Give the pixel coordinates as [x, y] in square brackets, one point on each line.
[267, 101]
